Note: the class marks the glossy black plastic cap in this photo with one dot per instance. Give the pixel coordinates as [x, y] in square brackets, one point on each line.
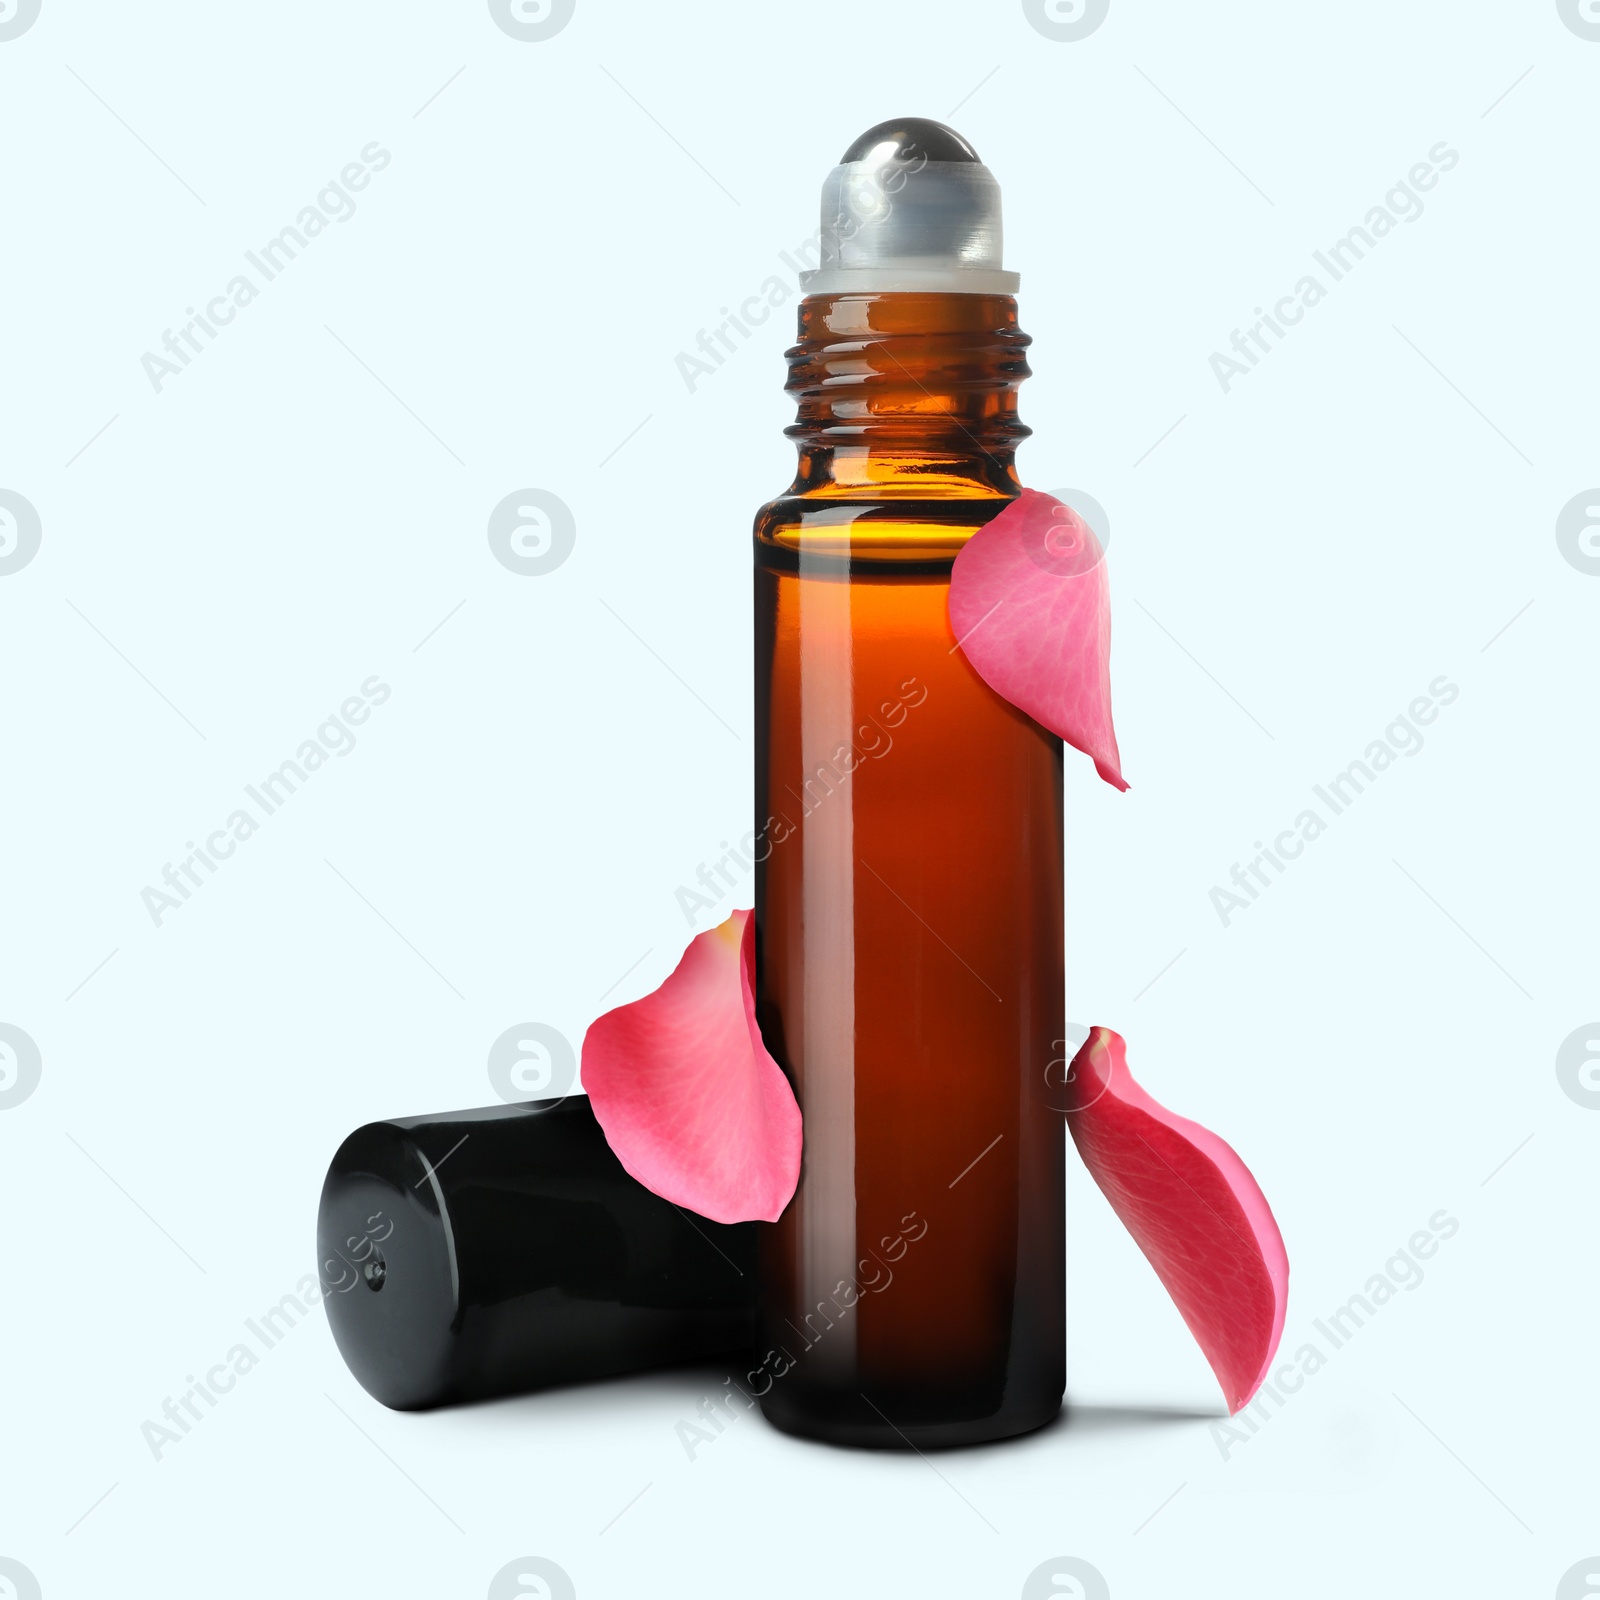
[480, 1253]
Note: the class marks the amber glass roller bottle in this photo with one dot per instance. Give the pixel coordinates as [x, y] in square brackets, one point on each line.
[909, 906]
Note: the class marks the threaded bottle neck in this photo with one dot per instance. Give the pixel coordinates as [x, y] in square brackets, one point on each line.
[897, 392]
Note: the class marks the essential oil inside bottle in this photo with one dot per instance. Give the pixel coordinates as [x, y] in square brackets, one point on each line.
[909, 911]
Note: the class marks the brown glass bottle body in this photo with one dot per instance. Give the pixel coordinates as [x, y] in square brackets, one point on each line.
[908, 901]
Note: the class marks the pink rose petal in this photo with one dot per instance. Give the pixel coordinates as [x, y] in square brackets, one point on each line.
[1031, 608]
[686, 1093]
[1192, 1207]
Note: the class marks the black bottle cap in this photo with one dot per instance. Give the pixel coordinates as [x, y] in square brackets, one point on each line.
[486, 1252]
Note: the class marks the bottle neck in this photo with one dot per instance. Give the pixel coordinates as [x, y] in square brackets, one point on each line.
[907, 395]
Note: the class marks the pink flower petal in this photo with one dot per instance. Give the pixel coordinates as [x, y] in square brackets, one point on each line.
[686, 1093]
[1192, 1207]
[1031, 608]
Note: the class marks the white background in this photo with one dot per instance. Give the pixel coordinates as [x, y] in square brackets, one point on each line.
[306, 503]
